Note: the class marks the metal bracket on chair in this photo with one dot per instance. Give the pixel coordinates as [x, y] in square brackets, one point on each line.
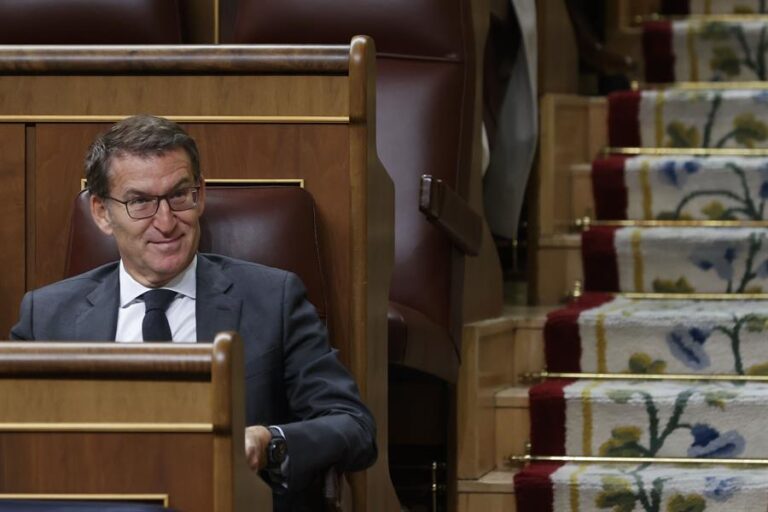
[452, 214]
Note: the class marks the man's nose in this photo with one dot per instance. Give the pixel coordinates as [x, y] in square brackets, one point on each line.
[164, 219]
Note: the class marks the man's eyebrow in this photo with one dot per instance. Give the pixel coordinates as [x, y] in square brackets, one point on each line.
[184, 182]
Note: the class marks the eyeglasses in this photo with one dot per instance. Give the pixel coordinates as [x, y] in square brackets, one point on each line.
[147, 206]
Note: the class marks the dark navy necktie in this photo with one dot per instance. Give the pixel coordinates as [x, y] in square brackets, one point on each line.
[155, 325]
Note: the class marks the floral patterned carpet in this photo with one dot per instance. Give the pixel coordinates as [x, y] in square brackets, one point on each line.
[683, 340]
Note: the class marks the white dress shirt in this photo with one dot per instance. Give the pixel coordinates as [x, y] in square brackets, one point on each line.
[180, 313]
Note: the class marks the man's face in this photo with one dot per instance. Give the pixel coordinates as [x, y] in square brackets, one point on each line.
[157, 249]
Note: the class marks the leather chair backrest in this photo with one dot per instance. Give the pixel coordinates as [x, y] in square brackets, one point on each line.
[271, 225]
[425, 102]
[90, 22]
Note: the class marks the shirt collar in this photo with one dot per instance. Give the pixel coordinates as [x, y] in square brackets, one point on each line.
[185, 283]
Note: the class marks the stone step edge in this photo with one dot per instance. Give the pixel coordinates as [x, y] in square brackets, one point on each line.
[512, 397]
[498, 481]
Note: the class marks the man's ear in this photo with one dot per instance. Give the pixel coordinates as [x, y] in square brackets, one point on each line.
[100, 214]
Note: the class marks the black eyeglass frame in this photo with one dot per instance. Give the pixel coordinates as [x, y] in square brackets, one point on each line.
[157, 199]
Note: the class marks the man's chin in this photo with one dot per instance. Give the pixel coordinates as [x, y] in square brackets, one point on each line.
[170, 267]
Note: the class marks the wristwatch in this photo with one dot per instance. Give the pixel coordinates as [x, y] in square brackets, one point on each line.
[277, 450]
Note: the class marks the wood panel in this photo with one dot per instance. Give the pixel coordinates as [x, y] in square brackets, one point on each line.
[558, 266]
[513, 430]
[12, 212]
[582, 200]
[573, 130]
[112, 401]
[59, 153]
[148, 463]
[255, 95]
[492, 502]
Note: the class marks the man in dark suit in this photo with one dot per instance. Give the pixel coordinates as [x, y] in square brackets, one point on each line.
[147, 191]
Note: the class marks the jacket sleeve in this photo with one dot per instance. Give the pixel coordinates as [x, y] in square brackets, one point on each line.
[336, 428]
[23, 328]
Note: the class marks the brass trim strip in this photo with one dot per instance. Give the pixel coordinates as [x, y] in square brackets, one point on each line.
[654, 223]
[694, 296]
[299, 182]
[693, 62]
[163, 498]
[638, 265]
[525, 459]
[644, 376]
[700, 17]
[659, 151]
[700, 85]
[658, 118]
[647, 189]
[107, 427]
[112, 118]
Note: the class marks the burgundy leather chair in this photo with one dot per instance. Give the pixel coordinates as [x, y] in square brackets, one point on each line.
[90, 22]
[271, 225]
[425, 108]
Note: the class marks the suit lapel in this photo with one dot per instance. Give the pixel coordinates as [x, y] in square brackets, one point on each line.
[98, 321]
[216, 309]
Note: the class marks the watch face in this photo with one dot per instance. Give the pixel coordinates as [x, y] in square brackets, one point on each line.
[277, 451]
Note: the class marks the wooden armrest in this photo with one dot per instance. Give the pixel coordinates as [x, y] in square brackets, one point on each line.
[451, 213]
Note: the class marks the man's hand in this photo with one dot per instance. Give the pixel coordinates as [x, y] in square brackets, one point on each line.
[256, 441]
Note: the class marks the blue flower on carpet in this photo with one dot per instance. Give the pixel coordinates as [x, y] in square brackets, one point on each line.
[761, 98]
[762, 270]
[763, 180]
[717, 256]
[676, 173]
[687, 345]
[721, 489]
[709, 443]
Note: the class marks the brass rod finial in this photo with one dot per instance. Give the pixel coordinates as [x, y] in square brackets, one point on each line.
[530, 378]
[577, 290]
[582, 224]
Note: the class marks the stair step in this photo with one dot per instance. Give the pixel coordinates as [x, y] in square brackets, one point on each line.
[493, 492]
[497, 481]
[513, 424]
[703, 50]
[604, 334]
[558, 266]
[676, 259]
[582, 203]
[589, 487]
[649, 419]
[494, 353]
[676, 187]
[711, 118]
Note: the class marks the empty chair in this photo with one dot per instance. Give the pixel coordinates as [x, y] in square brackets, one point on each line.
[90, 22]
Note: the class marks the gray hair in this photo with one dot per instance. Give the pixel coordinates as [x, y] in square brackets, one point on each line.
[142, 136]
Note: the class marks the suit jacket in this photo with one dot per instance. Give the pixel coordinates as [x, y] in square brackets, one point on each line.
[293, 377]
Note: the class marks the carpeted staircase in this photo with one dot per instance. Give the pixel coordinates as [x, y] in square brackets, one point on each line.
[664, 355]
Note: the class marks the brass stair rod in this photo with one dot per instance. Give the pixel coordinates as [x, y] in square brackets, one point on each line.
[539, 376]
[662, 151]
[525, 459]
[584, 223]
